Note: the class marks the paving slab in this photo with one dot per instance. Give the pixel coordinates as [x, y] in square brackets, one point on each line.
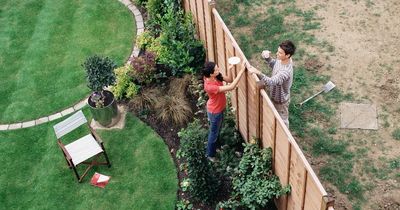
[28, 124]
[3, 127]
[55, 116]
[358, 116]
[15, 126]
[67, 111]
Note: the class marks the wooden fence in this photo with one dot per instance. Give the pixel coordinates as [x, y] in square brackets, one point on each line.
[257, 117]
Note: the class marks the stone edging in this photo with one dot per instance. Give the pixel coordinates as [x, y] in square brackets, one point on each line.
[135, 52]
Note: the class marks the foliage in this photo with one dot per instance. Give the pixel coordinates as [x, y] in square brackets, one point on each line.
[203, 179]
[156, 10]
[99, 74]
[173, 109]
[254, 183]
[140, 2]
[175, 45]
[144, 68]
[184, 205]
[124, 86]
[144, 40]
[231, 140]
[196, 89]
[145, 99]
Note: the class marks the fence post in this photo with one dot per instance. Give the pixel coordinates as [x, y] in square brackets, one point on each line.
[327, 203]
[210, 31]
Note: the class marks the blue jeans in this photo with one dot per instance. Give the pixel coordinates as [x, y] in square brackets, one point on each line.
[215, 127]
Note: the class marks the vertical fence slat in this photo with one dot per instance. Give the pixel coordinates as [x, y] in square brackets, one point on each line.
[268, 123]
[201, 22]
[253, 108]
[209, 28]
[186, 5]
[282, 157]
[193, 9]
[297, 180]
[313, 196]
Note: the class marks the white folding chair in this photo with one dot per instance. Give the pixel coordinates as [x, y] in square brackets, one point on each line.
[80, 151]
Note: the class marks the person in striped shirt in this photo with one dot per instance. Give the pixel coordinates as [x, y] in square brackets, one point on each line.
[281, 79]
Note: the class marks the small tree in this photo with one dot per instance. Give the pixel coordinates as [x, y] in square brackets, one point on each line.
[99, 74]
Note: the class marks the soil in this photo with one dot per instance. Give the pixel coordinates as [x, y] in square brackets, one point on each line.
[365, 35]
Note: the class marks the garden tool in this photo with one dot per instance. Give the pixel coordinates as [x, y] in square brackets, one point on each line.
[327, 87]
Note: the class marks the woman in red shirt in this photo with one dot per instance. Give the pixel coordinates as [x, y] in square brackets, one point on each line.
[213, 85]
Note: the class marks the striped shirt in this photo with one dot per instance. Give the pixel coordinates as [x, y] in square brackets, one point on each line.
[280, 81]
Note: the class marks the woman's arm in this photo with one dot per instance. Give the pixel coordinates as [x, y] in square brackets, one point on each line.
[228, 78]
[232, 85]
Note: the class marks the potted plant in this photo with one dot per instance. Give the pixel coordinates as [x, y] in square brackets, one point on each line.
[99, 75]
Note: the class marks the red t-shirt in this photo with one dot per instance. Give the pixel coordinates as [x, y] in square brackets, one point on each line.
[216, 101]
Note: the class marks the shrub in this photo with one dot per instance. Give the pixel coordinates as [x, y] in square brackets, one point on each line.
[175, 44]
[178, 86]
[145, 100]
[144, 40]
[156, 10]
[254, 183]
[124, 86]
[203, 179]
[173, 109]
[144, 68]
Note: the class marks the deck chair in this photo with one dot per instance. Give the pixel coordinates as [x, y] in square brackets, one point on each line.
[80, 151]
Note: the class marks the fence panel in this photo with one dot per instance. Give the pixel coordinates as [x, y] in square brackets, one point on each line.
[257, 117]
[297, 179]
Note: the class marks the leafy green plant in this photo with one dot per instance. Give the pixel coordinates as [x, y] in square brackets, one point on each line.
[203, 180]
[184, 205]
[140, 2]
[254, 183]
[144, 40]
[175, 45]
[124, 86]
[99, 74]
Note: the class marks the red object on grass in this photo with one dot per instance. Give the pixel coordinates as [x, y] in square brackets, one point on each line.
[99, 180]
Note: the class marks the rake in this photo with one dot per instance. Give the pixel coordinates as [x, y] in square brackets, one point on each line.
[327, 87]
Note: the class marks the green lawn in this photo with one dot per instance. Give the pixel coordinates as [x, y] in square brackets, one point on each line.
[44, 42]
[34, 174]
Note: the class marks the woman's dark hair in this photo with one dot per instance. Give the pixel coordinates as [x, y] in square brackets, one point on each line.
[209, 69]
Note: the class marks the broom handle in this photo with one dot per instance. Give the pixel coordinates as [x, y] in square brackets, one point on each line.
[311, 97]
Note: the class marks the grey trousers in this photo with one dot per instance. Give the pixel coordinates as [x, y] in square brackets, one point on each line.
[283, 110]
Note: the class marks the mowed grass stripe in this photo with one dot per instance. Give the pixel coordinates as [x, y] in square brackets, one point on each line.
[46, 76]
[35, 174]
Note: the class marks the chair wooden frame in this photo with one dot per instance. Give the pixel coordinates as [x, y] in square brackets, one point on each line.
[81, 150]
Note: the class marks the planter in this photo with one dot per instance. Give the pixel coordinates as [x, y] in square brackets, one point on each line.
[106, 116]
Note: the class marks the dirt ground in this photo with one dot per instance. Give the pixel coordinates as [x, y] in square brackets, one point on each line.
[366, 37]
